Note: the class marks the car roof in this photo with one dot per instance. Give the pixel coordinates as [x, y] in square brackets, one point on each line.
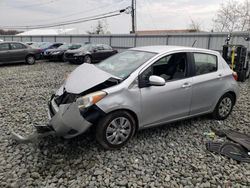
[168, 48]
[1, 42]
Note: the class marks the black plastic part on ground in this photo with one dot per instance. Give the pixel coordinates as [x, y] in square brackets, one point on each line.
[228, 149]
[240, 138]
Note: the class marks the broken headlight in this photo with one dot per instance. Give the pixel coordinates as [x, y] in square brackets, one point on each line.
[90, 99]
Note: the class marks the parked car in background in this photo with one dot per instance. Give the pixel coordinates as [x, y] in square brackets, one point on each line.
[58, 53]
[89, 53]
[14, 52]
[141, 88]
[43, 46]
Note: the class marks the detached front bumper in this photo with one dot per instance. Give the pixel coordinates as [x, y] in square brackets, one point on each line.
[66, 119]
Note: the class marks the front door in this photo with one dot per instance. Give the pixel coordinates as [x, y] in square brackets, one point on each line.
[4, 52]
[18, 51]
[162, 104]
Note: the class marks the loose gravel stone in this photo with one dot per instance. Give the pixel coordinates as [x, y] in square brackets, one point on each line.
[168, 156]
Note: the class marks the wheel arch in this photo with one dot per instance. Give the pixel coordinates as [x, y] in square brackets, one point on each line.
[233, 94]
[28, 55]
[227, 92]
[134, 115]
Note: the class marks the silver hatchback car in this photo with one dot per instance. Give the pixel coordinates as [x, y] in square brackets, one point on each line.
[140, 88]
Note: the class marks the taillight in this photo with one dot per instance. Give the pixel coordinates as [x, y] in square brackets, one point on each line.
[235, 75]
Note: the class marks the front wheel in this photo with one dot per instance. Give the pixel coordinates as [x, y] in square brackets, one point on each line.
[115, 130]
[224, 107]
[30, 60]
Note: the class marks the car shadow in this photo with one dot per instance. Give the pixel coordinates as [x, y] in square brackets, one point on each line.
[84, 150]
[12, 64]
[71, 148]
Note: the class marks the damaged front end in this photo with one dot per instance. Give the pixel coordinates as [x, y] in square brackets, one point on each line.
[70, 111]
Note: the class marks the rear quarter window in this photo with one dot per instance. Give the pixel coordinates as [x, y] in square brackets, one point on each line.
[205, 63]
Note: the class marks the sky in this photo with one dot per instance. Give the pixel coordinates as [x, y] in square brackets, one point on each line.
[151, 14]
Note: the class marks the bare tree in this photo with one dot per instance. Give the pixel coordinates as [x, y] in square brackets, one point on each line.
[9, 32]
[195, 26]
[232, 16]
[100, 28]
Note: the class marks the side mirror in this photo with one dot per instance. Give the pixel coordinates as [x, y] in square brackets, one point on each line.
[156, 81]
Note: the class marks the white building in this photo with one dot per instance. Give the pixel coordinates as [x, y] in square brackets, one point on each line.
[44, 32]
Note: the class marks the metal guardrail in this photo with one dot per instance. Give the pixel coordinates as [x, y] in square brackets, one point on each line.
[208, 40]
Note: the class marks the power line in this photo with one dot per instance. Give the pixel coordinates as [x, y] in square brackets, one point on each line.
[70, 22]
[85, 11]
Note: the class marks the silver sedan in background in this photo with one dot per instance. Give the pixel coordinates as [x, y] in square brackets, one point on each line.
[140, 88]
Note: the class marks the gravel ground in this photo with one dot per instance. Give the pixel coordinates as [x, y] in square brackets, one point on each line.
[167, 156]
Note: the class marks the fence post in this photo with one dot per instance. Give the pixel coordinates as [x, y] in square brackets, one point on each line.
[89, 38]
[208, 41]
[54, 38]
[41, 38]
[12, 38]
[167, 39]
[70, 39]
[110, 40]
[135, 42]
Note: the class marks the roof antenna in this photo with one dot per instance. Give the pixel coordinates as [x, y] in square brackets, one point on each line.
[194, 43]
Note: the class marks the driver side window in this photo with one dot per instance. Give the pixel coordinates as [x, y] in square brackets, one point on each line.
[171, 67]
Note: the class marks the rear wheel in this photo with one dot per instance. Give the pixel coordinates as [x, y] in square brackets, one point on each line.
[30, 59]
[87, 59]
[115, 130]
[224, 107]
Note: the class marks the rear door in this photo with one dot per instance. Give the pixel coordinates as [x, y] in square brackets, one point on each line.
[208, 82]
[4, 52]
[18, 51]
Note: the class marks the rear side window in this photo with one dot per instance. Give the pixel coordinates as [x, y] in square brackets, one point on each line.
[4, 46]
[205, 63]
[16, 46]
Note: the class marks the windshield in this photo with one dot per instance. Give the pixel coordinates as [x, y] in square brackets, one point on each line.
[85, 47]
[45, 45]
[41, 44]
[123, 64]
[74, 46]
[64, 46]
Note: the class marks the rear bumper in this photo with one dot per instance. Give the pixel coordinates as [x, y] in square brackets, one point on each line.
[66, 119]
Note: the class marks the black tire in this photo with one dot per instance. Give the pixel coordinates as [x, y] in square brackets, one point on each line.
[102, 133]
[87, 59]
[30, 59]
[242, 76]
[219, 113]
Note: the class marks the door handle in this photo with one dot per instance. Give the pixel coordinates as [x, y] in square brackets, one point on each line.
[219, 76]
[186, 85]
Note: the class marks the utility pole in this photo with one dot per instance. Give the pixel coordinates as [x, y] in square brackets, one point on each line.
[133, 16]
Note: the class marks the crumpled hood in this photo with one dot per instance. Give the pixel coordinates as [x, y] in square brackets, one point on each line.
[85, 77]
